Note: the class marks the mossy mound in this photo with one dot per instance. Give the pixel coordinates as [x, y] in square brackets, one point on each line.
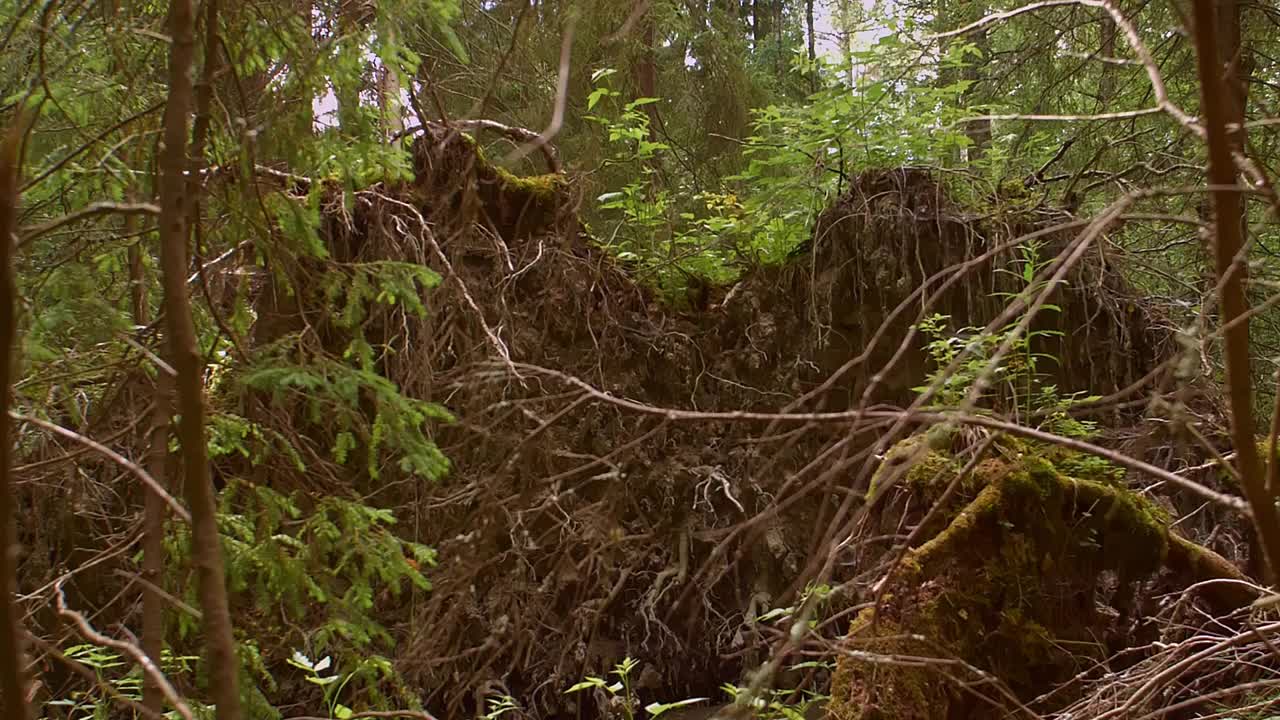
[1026, 584]
[451, 173]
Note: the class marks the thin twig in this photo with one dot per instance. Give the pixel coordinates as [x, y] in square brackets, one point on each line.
[133, 651]
[112, 455]
[562, 98]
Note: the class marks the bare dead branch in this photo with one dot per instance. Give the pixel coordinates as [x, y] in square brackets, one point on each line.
[134, 652]
[562, 97]
[113, 456]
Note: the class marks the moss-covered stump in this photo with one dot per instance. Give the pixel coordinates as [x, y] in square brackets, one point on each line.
[451, 170]
[1002, 603]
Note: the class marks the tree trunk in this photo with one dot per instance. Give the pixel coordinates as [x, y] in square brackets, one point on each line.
[223, 666]
[647, 76]
[813, 43]
[1107, 49]
[979, 132]
[154, 510]
[1232, 56]
[756, 33]
[1228, 212]
[13, 685]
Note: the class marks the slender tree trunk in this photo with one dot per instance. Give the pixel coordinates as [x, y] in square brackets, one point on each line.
[1228, 211]
[1107, 49]
[154, 514]
[223, 666]
[979, 132]
[13, 685]
[389, 102]
[1232, 56]
[154, 510]
[813, 43]
[647, 75]
[756, 33]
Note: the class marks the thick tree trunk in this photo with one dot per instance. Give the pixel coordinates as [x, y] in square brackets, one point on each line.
[223, 667]
[13, 686]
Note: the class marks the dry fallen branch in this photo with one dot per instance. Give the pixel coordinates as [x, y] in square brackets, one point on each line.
[925, 416]
[133, 651]
[32, 232]
[562, 98]
[113, 456]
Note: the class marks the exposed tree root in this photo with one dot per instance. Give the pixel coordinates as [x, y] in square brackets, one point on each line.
[999, 606]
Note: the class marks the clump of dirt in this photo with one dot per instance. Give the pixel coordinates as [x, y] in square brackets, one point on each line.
[585, 520]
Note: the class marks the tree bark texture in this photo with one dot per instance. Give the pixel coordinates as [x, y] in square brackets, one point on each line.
[223, 668]
[1228, 210]
[13, 686]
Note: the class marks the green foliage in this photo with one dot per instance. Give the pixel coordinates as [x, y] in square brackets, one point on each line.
[1017, 378]
[233, 435]
[354, 287]
[335, 396]
[780, 704]
[107, 665]
[621, 693]
[799, 156]
[326, 568]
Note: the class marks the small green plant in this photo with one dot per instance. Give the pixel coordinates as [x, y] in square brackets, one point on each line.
[499, 706]
[621, 694]
[817, 593]
[95, 704]
[1019, 371]
[1024, 364]
[944, 347]
[781, 704]
[332, 684]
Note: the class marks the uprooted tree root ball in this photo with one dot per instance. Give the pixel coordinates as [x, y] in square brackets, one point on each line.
[999, 609]
[573, 532]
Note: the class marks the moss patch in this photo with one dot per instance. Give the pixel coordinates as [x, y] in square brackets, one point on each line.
[1007, 588]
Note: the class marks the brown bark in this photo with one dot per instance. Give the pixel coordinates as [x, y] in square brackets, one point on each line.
[979, 132]
[154, 511]
[1232, 58]
[1228, 212]
[184, 351]
[813, 41]
[647, 76]
[13, 686]
[1107, 49]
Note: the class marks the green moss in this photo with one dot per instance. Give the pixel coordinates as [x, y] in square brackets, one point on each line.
[928, 475]
[1005, 584]
[544, 187]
